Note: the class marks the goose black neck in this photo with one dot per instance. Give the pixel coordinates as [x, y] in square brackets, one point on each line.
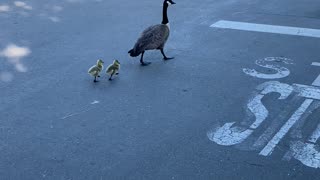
[164, 14]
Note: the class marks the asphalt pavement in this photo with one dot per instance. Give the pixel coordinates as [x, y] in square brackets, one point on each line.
[168, 120]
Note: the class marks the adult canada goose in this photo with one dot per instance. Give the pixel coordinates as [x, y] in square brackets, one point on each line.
[113, 69]
[96, 69]
[154, 37]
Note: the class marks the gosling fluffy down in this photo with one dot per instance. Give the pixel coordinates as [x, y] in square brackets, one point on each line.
[96, 69]
[113, 69]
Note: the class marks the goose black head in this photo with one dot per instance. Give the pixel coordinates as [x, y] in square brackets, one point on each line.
[169, 2]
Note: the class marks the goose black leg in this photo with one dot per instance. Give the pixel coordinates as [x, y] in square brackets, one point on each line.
[142, 62]
[95, 79]
[164, 56]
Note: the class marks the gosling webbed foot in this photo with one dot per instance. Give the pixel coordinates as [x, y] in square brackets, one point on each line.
[95, 79]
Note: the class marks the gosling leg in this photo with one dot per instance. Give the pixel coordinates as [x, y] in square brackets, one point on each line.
[164, 56]
[95, 79]
[110, 79]
[142, 62]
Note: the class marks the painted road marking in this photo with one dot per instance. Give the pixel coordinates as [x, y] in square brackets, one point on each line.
[281, 71]
[304, 150]
[315, 64]
[306, 91]
[317, 81]
[228, 134]
[95, 102]
[296, 31]
[315, 135]
[306, 153]
[267, 150]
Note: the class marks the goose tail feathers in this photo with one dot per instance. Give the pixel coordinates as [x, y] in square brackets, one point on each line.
[133, 53]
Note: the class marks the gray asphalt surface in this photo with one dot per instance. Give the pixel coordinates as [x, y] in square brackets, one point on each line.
[150, 122]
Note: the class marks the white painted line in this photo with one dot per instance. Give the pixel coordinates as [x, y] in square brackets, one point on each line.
[317, 81]
[95, 102]
[296, 31]
[305, 91]
[267, 150]
[315, 64]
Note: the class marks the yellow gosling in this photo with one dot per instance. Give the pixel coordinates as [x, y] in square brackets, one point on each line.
[113, 69]
[96, 69]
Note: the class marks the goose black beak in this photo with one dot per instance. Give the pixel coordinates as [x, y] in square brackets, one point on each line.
[173, 2]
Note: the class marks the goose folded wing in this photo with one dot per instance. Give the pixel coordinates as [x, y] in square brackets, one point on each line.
[153, 37]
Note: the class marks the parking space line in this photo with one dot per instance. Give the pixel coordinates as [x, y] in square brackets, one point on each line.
[317, 81]
[315, 64]
[296, 31]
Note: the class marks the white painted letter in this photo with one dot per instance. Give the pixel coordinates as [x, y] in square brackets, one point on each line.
[307, 153]
[281, 72]
[228, 135]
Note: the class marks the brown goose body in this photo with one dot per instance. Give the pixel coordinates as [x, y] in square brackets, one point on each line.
[154, 37]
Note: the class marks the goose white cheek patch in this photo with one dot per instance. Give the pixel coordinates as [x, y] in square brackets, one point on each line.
[168, 25]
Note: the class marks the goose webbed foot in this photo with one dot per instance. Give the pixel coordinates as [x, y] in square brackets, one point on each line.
[110, 79]
[95, 81]
[164, 56]
[145, 63]
[168, 58]
[142, 62]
